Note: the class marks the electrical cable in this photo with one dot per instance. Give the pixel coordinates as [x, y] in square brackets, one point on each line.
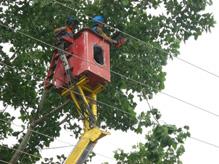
[195, 106]
[3, 161]
[171, 96]
[23, 152]
[58, 147]
[42, 134]
[119, 74]
[193, 138]
[151, 110]
[127, 114]
[205, 142]
[185, 101]
[70, 145]
[198, 67]
[47, 44]
[125, 77]
[26, 71]
[190, 104]
[141, 41]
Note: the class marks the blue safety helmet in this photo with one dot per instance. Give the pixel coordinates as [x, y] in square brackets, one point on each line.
[71, 20]
[98, 19]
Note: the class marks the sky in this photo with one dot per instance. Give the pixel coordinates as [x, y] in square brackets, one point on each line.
[199, 88]
[187, 83]
[192, 85]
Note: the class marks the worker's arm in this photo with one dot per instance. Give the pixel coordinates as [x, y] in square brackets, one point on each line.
[103, 34]
[60, 29]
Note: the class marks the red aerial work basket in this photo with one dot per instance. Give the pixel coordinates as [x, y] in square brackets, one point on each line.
[89, 55]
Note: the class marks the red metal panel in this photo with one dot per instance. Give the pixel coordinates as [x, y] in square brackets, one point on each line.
[82, 60]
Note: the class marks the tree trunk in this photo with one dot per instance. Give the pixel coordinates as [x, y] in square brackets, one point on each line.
[22, 146]
[32, 125]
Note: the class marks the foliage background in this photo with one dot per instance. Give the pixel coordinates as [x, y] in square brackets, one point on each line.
[21, 87]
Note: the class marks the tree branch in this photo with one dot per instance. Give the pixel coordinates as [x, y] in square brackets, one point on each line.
[51, 112]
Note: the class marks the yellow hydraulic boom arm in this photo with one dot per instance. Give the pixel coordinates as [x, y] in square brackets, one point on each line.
[85, 146]
[81, 93]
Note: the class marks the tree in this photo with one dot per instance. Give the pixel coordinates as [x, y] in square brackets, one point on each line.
[163, 144]
[22, 75]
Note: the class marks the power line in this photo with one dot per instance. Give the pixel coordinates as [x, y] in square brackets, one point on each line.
[43, 134]
[205, 142]
[97, 101]
[198, 67]
[144, 42]
[200, 140]
[3, 161]
[70, 145]
[169, 95]
[116, 73]
[47, 44]
[58, 147]
[125, 77]
[130, 79]
[23, 152]
[151, 110]
[35, 131]
[190, 104]
[140, 82]
[119, 74]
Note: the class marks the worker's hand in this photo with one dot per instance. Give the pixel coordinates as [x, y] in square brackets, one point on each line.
[60, 29]
[120, 42]
[114, 41]
[47, 84]
[116, 35]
